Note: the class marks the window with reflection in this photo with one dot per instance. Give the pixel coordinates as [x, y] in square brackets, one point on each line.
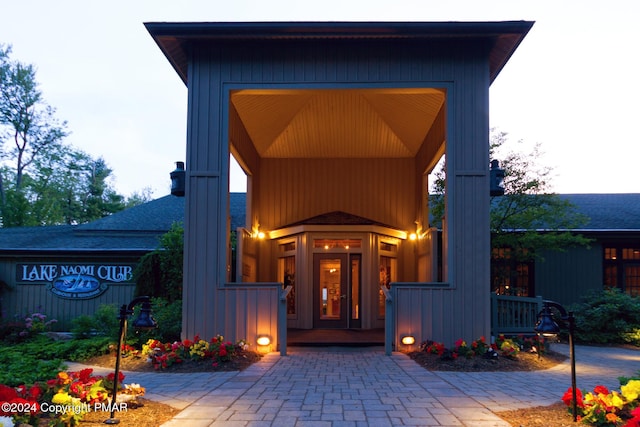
[621, 267]
[287, 274]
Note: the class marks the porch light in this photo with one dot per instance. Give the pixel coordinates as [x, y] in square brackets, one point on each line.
[496, 176]
[413, 236]
[177, 180]
[547, 327]
[144, 321]
[408, 340]
[263, 340]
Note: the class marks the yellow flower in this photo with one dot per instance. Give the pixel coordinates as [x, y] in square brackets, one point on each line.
[61, 397]
[616, 400]
[631, 390]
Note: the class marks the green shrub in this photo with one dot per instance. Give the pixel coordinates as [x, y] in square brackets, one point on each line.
[104, 322]
[41, 357]
[20, 368]
[159, 273]
[607, 317]
[84, 326]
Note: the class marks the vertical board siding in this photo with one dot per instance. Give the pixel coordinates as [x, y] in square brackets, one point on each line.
[382, 190]
[565, 277]
[423, 310]
[378, 189]
[249, 311]
[25, 300]
[468, 195]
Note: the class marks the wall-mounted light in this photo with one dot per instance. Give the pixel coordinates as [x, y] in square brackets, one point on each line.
[413, 236]
[496, 176]
[257, 233]
[408, 340]
[177, 180]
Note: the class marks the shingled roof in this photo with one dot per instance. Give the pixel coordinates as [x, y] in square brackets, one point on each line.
[608, 212]
[138, 229]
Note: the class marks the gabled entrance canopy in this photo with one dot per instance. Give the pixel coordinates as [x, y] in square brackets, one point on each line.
[371, 123]
[339, 116]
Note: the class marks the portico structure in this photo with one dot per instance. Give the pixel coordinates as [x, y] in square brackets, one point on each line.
[337, 126]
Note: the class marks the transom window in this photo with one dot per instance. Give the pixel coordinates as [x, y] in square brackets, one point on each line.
[337, 243]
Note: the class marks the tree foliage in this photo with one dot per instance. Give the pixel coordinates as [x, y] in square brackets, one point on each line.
[43, 180]
[29, 123]
[608, 316]
[528, 218]
[159, 273]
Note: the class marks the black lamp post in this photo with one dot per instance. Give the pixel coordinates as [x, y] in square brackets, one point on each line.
[548, 328]
[496, 175]
[144, 321]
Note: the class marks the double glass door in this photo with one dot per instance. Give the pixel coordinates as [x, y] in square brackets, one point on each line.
[336, 291]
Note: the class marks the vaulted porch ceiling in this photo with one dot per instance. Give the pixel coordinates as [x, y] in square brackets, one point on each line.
[338, 123]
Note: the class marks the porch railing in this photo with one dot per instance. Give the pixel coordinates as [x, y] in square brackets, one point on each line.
[514, 315]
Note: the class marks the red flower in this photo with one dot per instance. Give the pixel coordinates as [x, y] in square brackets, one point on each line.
[35, 392]
[635, 421]
[567, 398]
[7, 393]
[112, 376]
[600, 389]
[85, 374]
[223, 352]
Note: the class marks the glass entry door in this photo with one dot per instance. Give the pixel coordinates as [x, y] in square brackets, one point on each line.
[336, 291]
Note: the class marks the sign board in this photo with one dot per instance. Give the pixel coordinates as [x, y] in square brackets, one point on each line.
[74, 281]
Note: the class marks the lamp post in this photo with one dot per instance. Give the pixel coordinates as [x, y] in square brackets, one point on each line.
[144, 321]
[548, 328]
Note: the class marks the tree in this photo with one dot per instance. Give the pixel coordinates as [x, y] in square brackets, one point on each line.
[29, 122]
[159, 273]
[47, 181]
[528, 219]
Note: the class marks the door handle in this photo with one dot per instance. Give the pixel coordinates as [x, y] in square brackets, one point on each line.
[343, 296]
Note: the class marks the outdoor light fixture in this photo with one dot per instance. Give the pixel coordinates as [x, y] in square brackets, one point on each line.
[177, 180]
[496, 175]
[413, 236]
[408, 340]
[144, 321]
[547, 327]
[263, 340]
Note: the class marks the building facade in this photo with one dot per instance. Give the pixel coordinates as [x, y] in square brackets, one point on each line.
[337, 126]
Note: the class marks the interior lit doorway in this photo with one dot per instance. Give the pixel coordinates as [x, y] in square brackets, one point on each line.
[337, 300]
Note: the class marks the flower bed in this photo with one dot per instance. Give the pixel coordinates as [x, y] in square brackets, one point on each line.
[602, 407]
[62, 401]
